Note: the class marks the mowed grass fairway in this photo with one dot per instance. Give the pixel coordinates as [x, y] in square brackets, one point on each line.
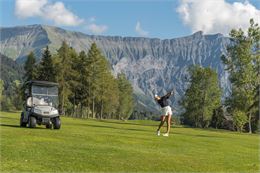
[117, 146]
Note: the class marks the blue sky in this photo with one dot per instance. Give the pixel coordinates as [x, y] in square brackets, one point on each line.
[160, 19]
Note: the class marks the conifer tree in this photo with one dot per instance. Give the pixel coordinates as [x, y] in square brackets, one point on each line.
[202, 97]
[111, 97]
[63, 66]
[1, 92]
[72, 80]
[30, 68]
[82, 90]
[46, 70]
[125, 108]
[94, 75]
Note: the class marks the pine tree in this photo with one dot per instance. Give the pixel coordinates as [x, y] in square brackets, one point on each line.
[63, 66]
[202, 97]
[30, 68]
[218, 117]
[94, 74]
[82, 89]
[46, 70]
[125, 108]
[1, 93]
[73, 81]
[106, 82]
[111, 97]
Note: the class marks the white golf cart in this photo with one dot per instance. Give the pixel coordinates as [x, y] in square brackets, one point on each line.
[41, 105]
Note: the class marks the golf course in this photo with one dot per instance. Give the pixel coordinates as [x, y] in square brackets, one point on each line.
[85, 145]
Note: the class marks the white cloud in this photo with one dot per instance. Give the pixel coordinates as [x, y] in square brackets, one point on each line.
[94, 28]
[60, 15]
[55, 12]
[217, 16]
[29, 8]
[140, 31]
[97, 29]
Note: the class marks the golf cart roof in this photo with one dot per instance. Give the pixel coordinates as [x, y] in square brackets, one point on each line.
[42, 83]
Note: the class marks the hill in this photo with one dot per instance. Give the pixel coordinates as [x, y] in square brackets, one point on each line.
[10, 70]
[151, 64]
[123, 146]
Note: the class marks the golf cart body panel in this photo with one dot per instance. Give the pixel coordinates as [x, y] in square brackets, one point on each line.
[41, 103]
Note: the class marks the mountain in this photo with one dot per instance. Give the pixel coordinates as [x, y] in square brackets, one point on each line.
[152, 65]
[10, 70]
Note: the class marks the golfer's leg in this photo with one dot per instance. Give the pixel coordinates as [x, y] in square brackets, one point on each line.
[168, 123]
[162, 122]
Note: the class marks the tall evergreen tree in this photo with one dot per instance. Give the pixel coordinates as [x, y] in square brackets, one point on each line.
[94, 75]
[202, 97]
[243, 65]
[74, 80]
[46, 70]
[125, 108]
[106, 84]
[30, 68]
[63, 66]
[110, 100]
[1, 93]
[82, 90]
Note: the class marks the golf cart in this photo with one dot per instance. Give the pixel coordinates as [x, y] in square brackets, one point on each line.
[41, 105]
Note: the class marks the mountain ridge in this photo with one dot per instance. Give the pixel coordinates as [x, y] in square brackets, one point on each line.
[42, 25]
[152, 65]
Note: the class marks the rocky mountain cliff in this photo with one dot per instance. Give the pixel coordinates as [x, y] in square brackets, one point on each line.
[152, 65]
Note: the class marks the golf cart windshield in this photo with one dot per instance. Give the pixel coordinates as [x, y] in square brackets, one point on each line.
[45, 96]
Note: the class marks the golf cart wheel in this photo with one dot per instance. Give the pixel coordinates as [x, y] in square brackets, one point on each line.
[22, 124]
[57, 123]
[48, 126]
[32, 122]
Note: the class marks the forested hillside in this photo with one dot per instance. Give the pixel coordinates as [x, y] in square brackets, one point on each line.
[10, 80]
[10, 70]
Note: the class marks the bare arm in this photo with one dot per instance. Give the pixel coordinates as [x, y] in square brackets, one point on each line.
[169, 94]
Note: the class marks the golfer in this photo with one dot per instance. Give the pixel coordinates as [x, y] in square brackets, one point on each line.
[166, 112]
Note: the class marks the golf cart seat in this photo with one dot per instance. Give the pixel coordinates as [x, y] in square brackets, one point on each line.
[29, 102]
[36, 101]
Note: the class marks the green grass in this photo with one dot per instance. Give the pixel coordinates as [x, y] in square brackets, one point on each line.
[118, 146]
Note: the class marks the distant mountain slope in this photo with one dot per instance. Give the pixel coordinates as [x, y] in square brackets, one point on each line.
[10, 70]
[17, 42]
[151, 64]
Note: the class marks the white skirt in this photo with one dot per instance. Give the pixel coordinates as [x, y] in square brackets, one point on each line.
[166, 111]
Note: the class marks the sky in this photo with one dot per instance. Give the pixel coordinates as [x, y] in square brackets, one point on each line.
[163, 19]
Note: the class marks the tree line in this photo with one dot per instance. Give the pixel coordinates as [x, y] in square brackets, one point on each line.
[240, 110]
[87, 87]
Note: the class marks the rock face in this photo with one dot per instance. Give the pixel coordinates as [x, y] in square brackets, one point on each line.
[152, 65]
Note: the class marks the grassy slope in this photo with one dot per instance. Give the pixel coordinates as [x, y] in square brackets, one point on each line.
[112, 146]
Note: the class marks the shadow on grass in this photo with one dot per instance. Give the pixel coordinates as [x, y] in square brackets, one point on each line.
[126, 123]
[213, 130]
[139, 124]
[10, 125]
[9, 118]
[12, 112]
[111, 127]
[18, 126]
[198, 135]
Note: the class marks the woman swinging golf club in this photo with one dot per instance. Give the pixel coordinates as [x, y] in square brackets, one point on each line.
[166, 112]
